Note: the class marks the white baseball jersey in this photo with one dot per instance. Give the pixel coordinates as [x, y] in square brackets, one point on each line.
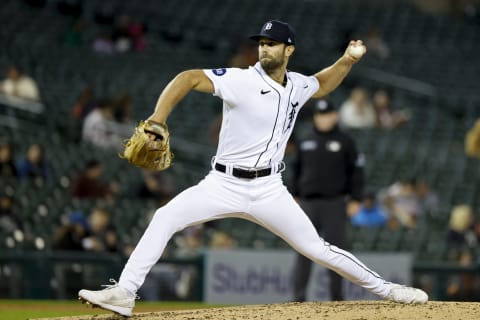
[258, 114]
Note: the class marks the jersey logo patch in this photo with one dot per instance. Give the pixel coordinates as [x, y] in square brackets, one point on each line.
[308, 145]
[265, 92]
[219, 72]
[334, 146]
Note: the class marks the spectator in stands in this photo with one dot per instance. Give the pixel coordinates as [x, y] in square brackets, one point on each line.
[460, 226]
[9, 222]
[34, 165]
[70, 235]
[158, 185]
[89, 185]
[100, 128]
[402, 203]
[221, 240]
[103, 43]
[85, 103]
[427, 198]
[377, 47]
[189, 242]
[101, 234]
[121, 34]
[357, 111]
[122, 107]
[7, 165]
[386, 118]
[137, 38]
[371, 213]
[472, 141]
[128, 35]
[461, 239]
[19, 85]
[74, 35]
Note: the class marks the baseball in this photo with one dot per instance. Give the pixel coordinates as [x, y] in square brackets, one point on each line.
[356, 51]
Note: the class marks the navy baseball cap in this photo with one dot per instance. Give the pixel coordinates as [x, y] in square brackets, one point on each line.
[324, 106]
[278, 31]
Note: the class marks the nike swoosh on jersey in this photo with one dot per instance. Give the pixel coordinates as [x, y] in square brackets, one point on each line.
[265, 92]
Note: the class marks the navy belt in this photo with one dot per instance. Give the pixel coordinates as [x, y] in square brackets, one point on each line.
[247, 174]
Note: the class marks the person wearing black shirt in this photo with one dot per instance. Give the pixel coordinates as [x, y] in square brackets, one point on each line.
[329, 186]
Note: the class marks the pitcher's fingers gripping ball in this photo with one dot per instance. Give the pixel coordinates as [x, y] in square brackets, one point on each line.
[149, 146]
[356, 50]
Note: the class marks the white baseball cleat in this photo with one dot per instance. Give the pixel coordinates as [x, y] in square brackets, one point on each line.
[113, 298]
[408, 295]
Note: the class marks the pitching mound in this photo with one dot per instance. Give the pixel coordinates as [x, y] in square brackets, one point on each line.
[352, 310]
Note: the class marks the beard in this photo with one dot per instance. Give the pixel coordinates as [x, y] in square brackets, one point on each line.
[270, 63]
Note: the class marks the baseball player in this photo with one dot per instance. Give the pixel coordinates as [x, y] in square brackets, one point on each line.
[260, 105]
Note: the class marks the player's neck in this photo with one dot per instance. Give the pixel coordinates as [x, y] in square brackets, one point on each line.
[278, 75]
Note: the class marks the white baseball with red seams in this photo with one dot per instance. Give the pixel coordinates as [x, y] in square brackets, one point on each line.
[258, 118]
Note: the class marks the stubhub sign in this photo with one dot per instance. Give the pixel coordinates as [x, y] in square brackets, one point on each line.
[249, 276]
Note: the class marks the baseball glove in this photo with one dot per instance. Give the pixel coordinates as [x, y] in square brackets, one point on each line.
[149, 146]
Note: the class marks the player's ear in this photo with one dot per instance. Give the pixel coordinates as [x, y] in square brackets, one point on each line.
[289, 50]
[335, 117]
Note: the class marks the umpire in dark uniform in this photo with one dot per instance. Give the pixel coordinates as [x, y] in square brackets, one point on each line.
[329, 185]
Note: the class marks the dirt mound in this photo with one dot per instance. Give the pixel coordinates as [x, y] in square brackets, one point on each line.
[351, 310]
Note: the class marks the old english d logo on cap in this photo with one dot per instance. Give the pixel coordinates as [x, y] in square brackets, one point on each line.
[276, 30]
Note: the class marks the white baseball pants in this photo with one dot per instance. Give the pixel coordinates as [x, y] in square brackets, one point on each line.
[265, 201]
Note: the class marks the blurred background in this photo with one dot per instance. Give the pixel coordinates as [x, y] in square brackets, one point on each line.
[76, 77]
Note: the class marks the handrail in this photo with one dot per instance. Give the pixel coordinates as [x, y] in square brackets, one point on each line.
[441, 272]
[22, 104]
[406, 83]
[445, 267]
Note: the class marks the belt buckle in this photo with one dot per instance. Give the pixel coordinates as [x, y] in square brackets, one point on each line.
[254, 171]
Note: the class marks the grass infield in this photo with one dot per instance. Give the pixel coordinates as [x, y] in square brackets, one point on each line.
[26, 309]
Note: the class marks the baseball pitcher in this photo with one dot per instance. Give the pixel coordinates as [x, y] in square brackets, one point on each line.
[260, 106]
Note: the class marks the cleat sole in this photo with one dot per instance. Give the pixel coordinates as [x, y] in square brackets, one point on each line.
[93, 306]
